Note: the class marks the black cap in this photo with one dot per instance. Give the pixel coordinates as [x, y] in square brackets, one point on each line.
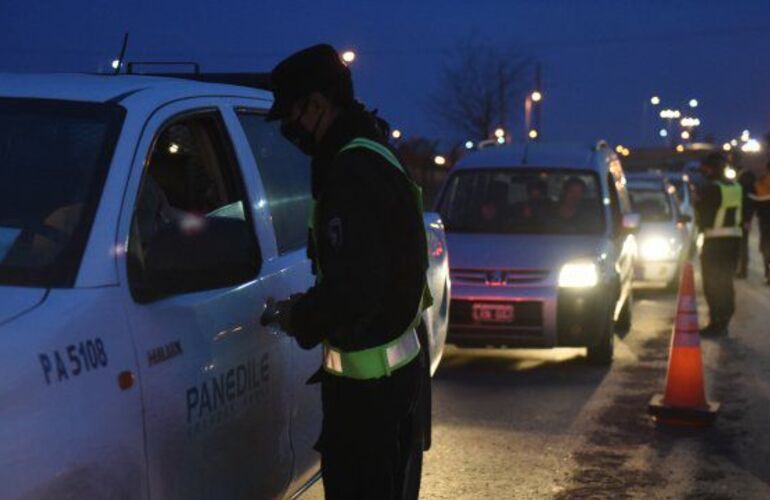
[315, 69]
[714, 160]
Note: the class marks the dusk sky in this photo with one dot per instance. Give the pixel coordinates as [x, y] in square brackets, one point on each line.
[601, 60]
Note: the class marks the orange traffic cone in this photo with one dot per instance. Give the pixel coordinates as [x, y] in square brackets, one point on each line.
[684, 402]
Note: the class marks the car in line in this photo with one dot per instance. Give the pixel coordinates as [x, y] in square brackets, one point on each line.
[541, 238]
[146, 224]
[664, 239]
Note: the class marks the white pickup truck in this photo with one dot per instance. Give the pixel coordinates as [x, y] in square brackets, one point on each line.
[145, 224]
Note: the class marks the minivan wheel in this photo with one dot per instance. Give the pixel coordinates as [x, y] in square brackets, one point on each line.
[673, 285]
[625, 318]
[601, 352]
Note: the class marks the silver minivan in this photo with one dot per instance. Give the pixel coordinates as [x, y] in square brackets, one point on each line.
[541, 244]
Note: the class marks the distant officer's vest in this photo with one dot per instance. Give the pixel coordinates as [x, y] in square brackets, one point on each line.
[378, 361]
[727, 223]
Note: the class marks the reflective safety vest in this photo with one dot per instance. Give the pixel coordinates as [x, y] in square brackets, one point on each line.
[727, 222]
[379, 361]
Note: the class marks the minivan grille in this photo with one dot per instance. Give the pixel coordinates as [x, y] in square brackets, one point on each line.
[502, 277]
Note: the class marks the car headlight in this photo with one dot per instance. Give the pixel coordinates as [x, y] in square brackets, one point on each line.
[657, 248]
[579, 274]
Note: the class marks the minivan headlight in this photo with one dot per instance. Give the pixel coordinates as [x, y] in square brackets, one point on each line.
[656, 248]
[579, 274]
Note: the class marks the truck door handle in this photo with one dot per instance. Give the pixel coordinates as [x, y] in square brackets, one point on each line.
[271, 314]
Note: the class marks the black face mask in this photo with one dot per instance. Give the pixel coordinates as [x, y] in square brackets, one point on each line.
[301, 137]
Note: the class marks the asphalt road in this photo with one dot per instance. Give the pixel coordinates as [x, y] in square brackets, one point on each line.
[525, 424]
[545, 424]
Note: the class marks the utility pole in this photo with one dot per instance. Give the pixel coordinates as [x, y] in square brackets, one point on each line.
[538, 88]
[533, 102]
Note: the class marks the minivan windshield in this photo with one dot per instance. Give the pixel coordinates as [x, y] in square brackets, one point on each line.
[651, 203]
[523, 201]
[54, 157]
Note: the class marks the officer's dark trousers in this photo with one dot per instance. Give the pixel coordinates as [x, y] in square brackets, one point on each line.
[743, 258]
[718, 261]
[764, 244]
[371, 440]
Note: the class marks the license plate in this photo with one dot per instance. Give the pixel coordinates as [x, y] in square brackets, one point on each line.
[493, 313]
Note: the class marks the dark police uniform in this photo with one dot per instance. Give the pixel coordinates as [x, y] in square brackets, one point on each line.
[368, 247]
[718, 212]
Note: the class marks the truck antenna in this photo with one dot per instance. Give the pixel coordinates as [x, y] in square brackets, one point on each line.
[122, 55]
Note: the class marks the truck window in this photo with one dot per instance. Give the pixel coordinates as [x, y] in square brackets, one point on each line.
[285, 174]
[190, 175]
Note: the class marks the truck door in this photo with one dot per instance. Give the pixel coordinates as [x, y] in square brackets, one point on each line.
[285, 177]
[214, 381]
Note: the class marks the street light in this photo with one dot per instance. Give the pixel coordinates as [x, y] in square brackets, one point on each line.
[679, 148]
[693, 103]
[396, 134]
[348, 56]
[751, 146]
[663, 132]
[499, 132]
[468, 144]
[439, 160]
[689, 122]
[685, 135]
[501, 140]
[533, 134]
[726, 146]
[537, 96]
[619, 148]
[116, 64]
[745, 135]
[655, 100]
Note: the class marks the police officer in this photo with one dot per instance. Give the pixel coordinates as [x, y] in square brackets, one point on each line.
[760, 195]
[718, 212]
[368, 248]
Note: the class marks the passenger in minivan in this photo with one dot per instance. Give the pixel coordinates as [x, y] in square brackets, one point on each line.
[536, 206]
[570, 210]
[494, 213]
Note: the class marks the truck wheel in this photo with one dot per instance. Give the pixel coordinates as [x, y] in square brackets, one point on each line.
[601, 352]
[626, 315]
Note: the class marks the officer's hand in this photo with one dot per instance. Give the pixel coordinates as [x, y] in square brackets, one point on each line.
[283, 311]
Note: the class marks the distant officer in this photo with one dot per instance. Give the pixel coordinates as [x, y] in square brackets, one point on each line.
[369, 252]
[718, 213]
[746, 179]
[761, 197]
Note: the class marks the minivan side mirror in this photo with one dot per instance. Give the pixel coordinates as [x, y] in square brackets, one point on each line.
[684, 218]
[220, 252]
[631, 223]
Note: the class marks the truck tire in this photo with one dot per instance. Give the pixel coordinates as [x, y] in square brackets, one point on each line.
[601, 352]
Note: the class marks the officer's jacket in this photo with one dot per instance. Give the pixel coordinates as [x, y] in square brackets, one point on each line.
[707, 204]
[370, 241]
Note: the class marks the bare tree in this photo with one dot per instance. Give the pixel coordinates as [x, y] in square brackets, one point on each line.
[480, 90]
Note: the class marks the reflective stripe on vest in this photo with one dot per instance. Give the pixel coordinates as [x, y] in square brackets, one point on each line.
[732, 199]
[379, 361]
